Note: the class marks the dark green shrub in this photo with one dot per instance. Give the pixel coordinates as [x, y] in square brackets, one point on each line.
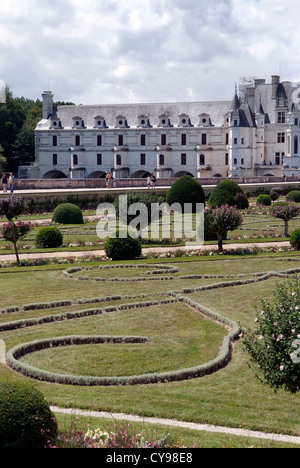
[295, 239]
[49, 237]
[274, 195]
[120, 248]
[225, 193]
[186, 190]
[67, 213]
[26, 420]
[264, 200]
[294, 196]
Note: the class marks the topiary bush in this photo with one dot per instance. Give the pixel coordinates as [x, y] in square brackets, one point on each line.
[295, 239]
[67, 213]
[126, 248]
[294, 196]
[186, 190]
[26, 420]
[225, 193]
[264, 200]
[49, 237]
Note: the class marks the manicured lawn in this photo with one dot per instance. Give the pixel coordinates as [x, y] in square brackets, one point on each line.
[178, 336]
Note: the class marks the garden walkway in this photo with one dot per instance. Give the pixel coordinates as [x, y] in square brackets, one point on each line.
[184, 425]
[100, 253]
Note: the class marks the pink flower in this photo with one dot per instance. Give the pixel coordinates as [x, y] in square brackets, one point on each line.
[281, 368]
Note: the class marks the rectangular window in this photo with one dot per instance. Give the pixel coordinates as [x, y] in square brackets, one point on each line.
[183, 139]
[226, 159]
[227, 139]
[235, 141]
[143, 159]
[99, 140]
[77, 140]
[281, 117]
[120, 140]
[235, 161]
[143, 140]
[242, 141]
[242, 161]
[163, 140]
[280, 138]
[54, 140]
[54, 159]
[204, 139]
[99, 159]
[277, 159]
[183, 159]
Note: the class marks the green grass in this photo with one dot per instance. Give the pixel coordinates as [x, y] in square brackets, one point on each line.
[177, 337]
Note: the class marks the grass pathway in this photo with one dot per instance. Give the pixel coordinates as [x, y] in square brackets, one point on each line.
[183, 425]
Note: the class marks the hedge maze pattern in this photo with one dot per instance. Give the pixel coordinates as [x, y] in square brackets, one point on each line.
[159, 272]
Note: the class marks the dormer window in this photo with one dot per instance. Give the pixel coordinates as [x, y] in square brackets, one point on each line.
[204, 120]
[164, 121]
[78, 122]
[99, 122]
[184, 121]
[143, 121]
[55, 122]
[121, 122]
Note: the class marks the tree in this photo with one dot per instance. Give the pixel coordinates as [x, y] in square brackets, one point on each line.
[11, 231]
[274, 346]
[186, 190]
[225, 193]
[285, 211]
[221, 220]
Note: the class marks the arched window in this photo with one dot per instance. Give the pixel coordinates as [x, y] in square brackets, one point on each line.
[296, 145]
[161, 160]
[118, 160]
[75, 160]
[202, 160]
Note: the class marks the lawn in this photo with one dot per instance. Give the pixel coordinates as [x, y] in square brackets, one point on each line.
[178, 336]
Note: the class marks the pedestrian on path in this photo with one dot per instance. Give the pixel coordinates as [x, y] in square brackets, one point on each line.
[4, 182]
[11, 182]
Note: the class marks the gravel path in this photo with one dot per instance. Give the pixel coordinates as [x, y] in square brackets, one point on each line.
[184, 425]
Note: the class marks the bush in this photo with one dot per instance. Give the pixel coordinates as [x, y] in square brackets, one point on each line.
[49, 237]
[295, 239]
[26, 420]
[294, 196]
[67, 213]
[264, 200]
[275, 345]
[225, 193]
[186, 190]
[126, 248]
[274, 195]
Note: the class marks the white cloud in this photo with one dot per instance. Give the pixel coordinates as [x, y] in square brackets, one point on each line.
[145, 50]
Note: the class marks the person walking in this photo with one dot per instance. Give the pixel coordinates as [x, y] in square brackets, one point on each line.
[4, 182]
[11, 182]
[149, 181]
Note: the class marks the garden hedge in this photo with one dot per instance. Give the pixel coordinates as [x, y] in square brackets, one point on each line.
[186, 190]
[67, 213]
[225, 193]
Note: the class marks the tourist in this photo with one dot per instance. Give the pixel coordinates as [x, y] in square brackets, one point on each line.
[153, 180]
[4, 182]
[11, 182]
[148, 181]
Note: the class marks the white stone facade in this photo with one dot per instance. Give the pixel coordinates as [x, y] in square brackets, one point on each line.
[257, 134]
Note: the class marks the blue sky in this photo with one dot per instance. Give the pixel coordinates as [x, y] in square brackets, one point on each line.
[117, 51]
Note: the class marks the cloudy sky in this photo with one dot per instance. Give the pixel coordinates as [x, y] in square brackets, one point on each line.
[127, 51]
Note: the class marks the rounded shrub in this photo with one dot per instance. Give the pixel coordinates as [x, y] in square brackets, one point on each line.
[26, 420]
[225, 194]
[186, 190]
[49, 237]
[67, 213]
[295, 239]
[123, 248]
[294, 196]
[264, 200]
[274, 195]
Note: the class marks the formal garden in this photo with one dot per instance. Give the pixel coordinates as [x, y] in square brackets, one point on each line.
[205, 336]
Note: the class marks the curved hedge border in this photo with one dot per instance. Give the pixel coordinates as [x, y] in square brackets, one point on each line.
[156, 270]
[212, 366]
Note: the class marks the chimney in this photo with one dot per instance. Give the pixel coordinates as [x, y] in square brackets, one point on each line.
[275, 83]
[47, 104]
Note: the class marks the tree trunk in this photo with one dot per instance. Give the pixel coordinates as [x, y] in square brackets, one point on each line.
[17, 254]
[286, 228]
[220, 243]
